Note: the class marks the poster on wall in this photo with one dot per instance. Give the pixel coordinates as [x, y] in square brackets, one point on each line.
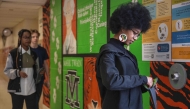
[72, 83]
[92, 98]
[69, 26]
[156, 42]
[181, 30]
[91, 25]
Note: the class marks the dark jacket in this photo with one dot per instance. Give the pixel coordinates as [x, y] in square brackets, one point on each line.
[14, 84]
[118, 78]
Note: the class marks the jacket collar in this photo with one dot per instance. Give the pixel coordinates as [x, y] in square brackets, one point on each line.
[116, 46]
[110, 47]
[21, 50]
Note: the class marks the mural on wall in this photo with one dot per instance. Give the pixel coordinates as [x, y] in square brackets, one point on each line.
[72, 83]
[46, 45]
[56, 74]
[91, 33]
[69, 26]
[91, 25]
[89, 28]
[92, 98]
[168, 97]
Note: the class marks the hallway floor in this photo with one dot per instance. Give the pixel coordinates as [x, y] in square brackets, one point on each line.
[5, 98]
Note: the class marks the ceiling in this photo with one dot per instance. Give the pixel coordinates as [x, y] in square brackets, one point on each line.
[12, 12]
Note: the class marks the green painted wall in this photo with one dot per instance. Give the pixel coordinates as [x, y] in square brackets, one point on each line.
[56, 81]
[91, 25]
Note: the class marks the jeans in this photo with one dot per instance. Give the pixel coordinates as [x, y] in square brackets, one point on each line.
[39, 92]
[18, 100]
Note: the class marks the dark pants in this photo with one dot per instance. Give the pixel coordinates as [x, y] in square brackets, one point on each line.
[39, 92]
[18, 100]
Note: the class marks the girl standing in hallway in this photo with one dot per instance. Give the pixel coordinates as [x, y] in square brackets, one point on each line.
[21, 70]
[117, 71]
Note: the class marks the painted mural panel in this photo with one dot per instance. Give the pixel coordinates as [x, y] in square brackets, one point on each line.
[56, 89]
[46, 45]
[69, 26]
[55, 55]
[72, 83]
[168, 97]
[56, 80]
[92, 98]
[91, 25]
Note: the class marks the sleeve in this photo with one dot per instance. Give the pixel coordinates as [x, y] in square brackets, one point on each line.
[45, 54]
[9, 71]
[37, 64]
[143, 89]
[111, 77]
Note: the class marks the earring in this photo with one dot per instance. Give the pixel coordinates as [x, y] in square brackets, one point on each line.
[122, 37]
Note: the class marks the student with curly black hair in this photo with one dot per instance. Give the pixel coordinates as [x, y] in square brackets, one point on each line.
[120, 84]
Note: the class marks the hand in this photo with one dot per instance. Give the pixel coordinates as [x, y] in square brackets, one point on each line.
[156, 87]
[149, 82]
[42, 72]
[23, 74]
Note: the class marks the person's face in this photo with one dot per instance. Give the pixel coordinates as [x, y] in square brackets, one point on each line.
[132, 35]
[35, 38]
[25, 39]
[68, 12]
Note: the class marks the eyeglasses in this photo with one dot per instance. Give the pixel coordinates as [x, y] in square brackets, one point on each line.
[135, 33]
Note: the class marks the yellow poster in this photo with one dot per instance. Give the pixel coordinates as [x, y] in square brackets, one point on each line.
[156, 42]
[181, 30]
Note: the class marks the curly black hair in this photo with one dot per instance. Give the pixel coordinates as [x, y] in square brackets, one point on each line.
[130, 15]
